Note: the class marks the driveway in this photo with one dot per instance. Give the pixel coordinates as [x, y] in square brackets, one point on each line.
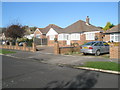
[45, 49]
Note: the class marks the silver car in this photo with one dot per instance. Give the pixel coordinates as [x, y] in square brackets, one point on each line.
[95, 47]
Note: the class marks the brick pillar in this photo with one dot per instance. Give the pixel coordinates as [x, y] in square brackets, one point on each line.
[111, 50]
[100, 37]
[16, 45]
[33, 47]
[10, 45]
[56, 48]
[5, 45]
[24, 46]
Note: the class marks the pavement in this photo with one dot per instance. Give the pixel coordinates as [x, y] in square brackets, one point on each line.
[50, 58]
[30, 73]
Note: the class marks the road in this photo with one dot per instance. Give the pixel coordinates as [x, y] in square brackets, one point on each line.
[29, 73]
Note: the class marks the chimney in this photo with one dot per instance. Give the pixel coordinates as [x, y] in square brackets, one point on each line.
[87, 20]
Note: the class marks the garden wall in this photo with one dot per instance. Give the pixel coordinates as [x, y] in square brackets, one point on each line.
[16, 47]
[115, 50]
[65, 50]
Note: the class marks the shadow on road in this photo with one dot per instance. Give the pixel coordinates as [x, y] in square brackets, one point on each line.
[86, 80]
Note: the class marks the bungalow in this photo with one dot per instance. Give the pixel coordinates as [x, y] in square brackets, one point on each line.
[112, 34]
[53, 32]
[49, 33]
[80, 32]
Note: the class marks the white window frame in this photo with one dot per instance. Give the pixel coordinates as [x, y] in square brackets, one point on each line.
[90, 36]
[52, 37]
[115, 37]
[64, 37]
[75, 36]
[60, 37]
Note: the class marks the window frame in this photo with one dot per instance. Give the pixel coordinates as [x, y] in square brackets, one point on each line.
[115, 37]
[75, 36]
[88, 36]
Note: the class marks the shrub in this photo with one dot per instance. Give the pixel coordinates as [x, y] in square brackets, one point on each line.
[28, 41]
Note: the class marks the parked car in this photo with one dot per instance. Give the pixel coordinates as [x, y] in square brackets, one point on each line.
[95, 47]
[21, 43]
[3, 42]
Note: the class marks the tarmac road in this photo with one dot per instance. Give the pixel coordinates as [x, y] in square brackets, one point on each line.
[29, 73]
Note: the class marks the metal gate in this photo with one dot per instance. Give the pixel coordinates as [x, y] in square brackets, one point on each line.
[40, 41]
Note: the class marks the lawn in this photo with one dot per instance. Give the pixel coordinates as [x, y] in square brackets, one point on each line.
[103, 65]
[5, 51]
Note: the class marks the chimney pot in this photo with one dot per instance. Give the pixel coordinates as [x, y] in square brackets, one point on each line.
[87, 20]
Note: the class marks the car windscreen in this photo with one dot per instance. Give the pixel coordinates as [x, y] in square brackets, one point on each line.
[89, 43]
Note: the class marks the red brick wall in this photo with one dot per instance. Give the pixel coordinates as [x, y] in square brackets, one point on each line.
[80, 42]
[115, 51]
[62, 43]
[23, 48]
[51, 42]
[106, 38]
[83, 39]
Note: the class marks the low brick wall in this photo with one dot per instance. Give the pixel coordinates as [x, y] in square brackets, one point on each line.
[23, 48]
[115, 51]
[64, 50]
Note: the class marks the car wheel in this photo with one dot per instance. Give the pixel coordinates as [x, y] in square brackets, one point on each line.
[97, 53]
[84, 53]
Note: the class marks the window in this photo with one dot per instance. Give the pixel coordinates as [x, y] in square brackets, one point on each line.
[75, 36]
[97, 44]
[115, 37]
[105, 44]
[60, 37]
[52, 37]
[90, 36]
[90, 43]
[37, 36]
[63, 37]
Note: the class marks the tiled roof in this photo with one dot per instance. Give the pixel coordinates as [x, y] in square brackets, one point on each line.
[80, 26]
[46, 29]
[114, 29]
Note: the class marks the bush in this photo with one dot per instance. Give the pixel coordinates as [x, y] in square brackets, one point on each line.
[28, 41]
[75, 44]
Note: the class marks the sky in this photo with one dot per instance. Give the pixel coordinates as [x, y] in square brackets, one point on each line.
[63, 14]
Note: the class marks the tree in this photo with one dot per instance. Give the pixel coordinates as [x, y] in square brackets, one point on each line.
[14, 31]
[33, 28]
[108, 26]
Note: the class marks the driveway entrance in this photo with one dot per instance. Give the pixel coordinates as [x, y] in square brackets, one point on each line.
[45, 49]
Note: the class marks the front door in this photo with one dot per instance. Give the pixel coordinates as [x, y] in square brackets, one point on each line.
[68, 39]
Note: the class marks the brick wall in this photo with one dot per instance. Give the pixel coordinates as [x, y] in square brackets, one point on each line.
[62, 43]
[106, 38]
[115, 51]
[51, 42]
[16, 47]
[83, 39]
[80, 42]
[64, 50]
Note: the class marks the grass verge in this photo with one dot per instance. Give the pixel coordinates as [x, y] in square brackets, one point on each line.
[5, 51]
[103, 65]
